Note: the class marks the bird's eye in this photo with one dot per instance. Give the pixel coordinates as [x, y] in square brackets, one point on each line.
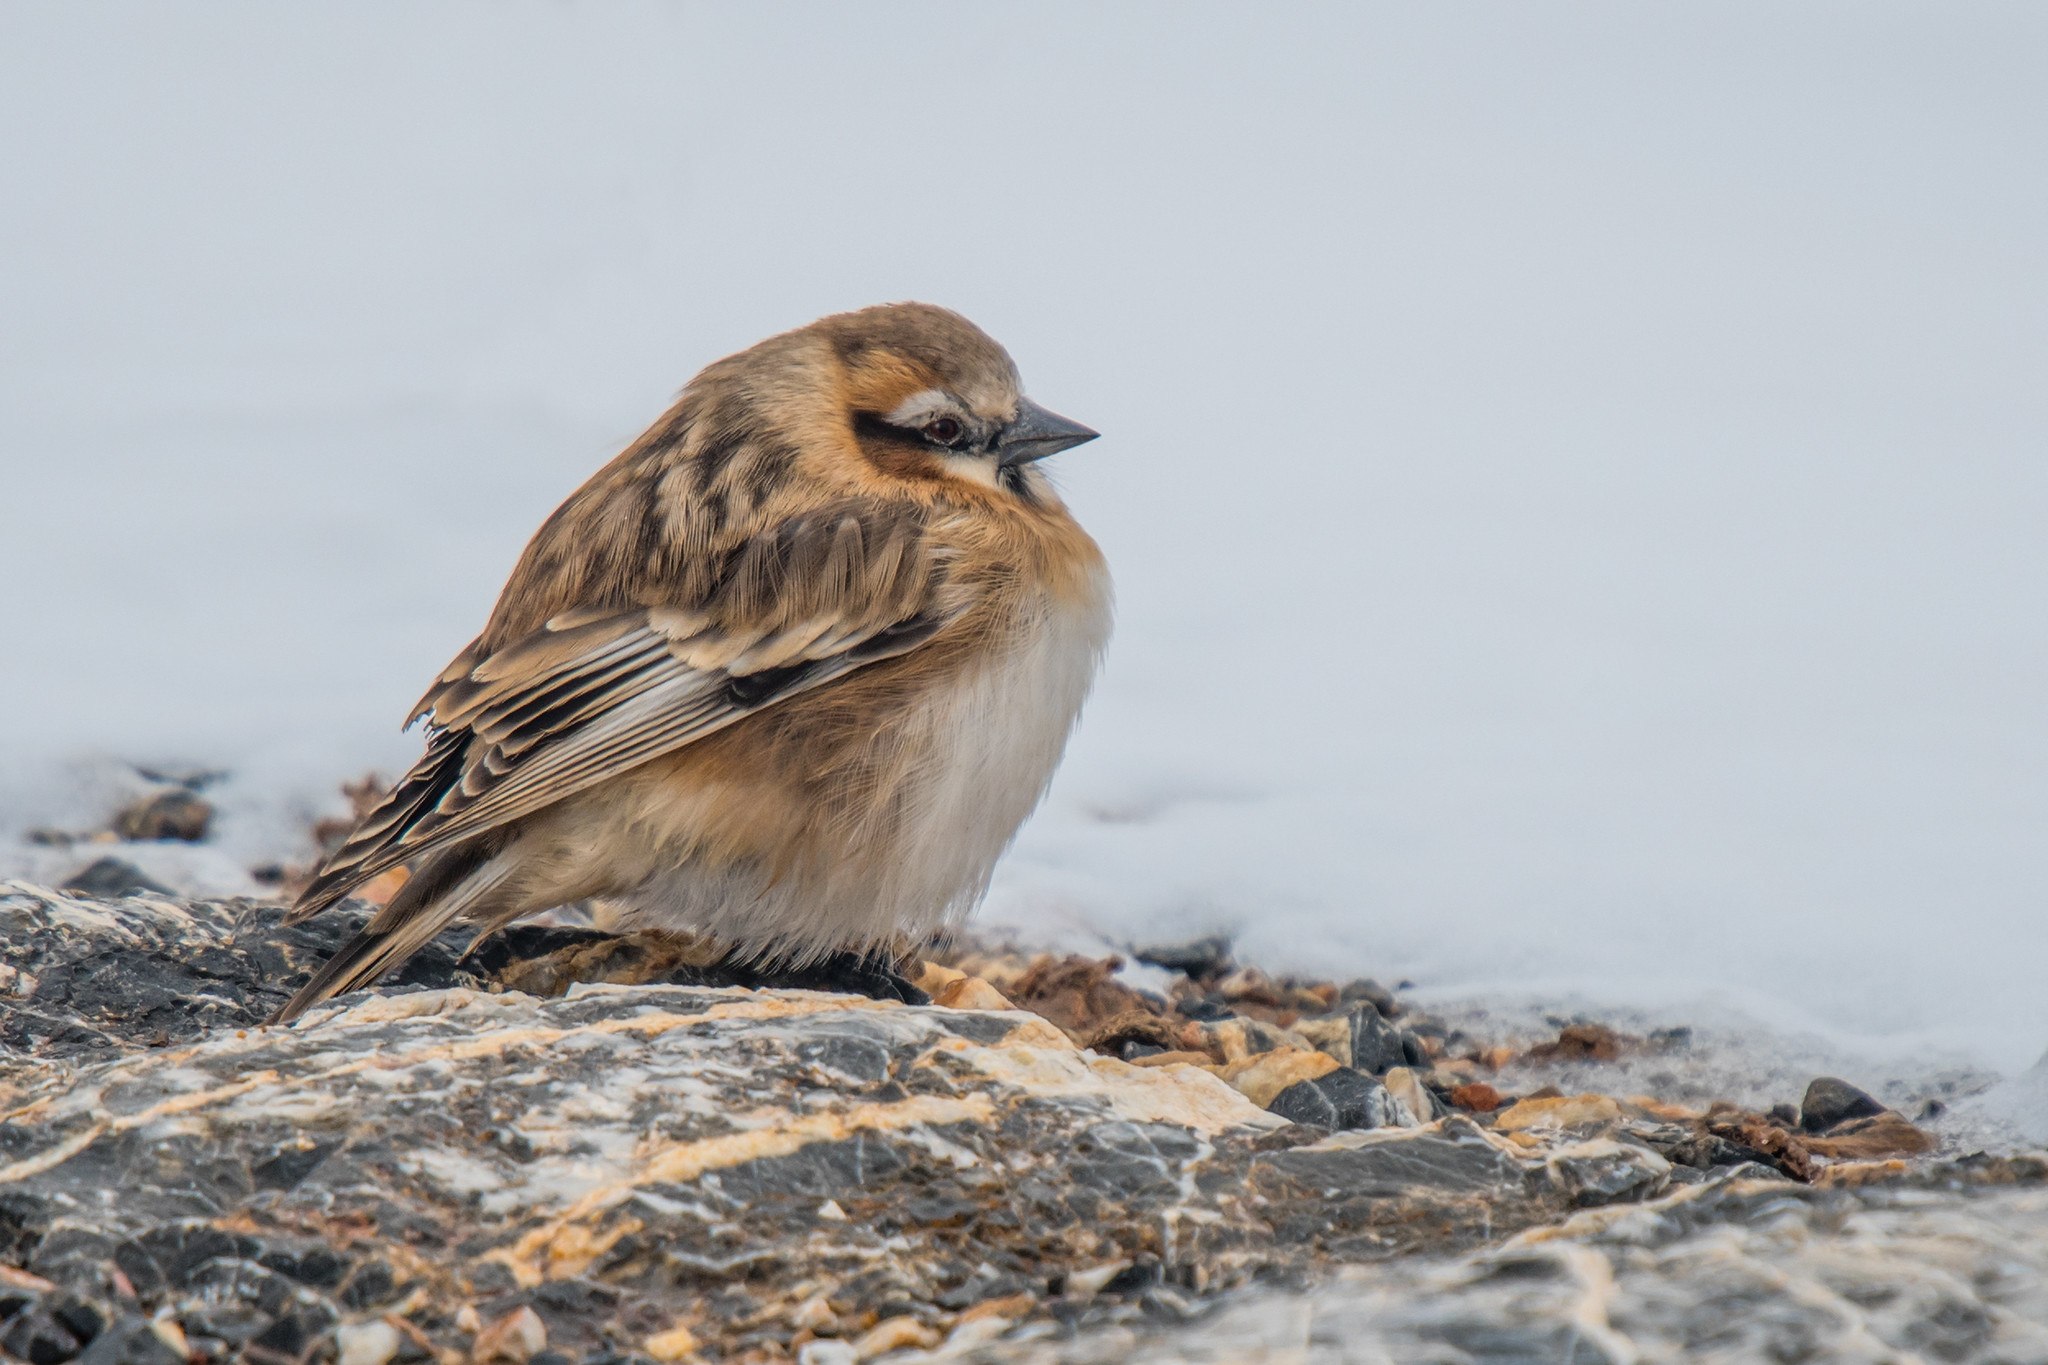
[944, 431]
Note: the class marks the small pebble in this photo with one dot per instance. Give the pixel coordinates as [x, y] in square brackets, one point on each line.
[677, 1343]
[175, 814]
[1830, 1102]
[1202, 957]
[1477, 1098]
[107, 878]
[894, 1334]
[514, 1339]
[366, 1343]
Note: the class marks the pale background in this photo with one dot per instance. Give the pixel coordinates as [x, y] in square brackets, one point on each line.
[1574, 473]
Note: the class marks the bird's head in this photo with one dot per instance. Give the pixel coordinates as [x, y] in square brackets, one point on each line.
[928, 395]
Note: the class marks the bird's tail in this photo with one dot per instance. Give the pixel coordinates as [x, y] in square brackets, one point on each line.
[461, 883]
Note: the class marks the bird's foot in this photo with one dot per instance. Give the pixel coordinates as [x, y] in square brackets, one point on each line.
[848, 973]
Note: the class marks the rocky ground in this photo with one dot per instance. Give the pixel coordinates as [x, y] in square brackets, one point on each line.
[574, 1147]
[581, 1148]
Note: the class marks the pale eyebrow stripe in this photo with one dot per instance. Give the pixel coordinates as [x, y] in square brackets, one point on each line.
[918, 405]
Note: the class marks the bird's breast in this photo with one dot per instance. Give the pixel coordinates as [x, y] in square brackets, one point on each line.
[989, 738]
[878, 804]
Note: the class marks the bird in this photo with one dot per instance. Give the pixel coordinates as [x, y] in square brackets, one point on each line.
[788, 672]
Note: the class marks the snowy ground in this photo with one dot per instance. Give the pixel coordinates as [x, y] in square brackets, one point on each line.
[1574, 477]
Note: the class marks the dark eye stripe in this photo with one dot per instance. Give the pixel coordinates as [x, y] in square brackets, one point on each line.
[872, 427]
[877, 428]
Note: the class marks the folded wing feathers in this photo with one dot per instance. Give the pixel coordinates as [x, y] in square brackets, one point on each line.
[591, 695]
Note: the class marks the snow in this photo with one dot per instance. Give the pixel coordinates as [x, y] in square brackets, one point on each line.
[1573, 476]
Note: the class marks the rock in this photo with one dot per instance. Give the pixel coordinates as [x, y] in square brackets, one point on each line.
[1580, 1043]
[1404, 1168]
[585, 1141]
[970, 993]
[1656, 1108]
[135, 1340]
[1250, 986]
[175, 814]
[674, 1170]
[514, 1339]
[1371, 992]
[1735, 1270]
[1418, 1103]
[1132, 1026]
[1854, 1174]
[1079, 994]
[1175, 1058]
[901, 1333]
[933, 977]
[44, 1333]
[1564, 1111]
[1337, 1098]
[579, 1147]
[114, 877]
[1829, 1103]
[1330, 1035]
[1376, 1045]
[1771, 1144]
[1477, 1097]
[676, 1344]
[1261, 1078]
[1198, 959]
[366, 1343]
[1236, 1039]
[1885, 1134]
[1203, 1008]
[1691, 1145]
[1603, 1171]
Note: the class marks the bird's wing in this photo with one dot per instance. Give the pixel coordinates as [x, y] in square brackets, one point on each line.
[593, 693]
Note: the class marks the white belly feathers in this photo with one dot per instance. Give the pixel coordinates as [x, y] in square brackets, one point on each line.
[980, 755]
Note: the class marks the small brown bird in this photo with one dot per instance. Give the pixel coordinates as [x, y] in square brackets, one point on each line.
[790, 671]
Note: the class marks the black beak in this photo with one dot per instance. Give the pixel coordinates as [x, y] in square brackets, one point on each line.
[1037, 432]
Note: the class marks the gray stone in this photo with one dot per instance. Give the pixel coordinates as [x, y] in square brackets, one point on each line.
[1342, 1098]
[1735, 1269]
[1830, 1102]
[1376, 1045]
[113, 877]
[1604, 1171]
[177, 814]
[1198, 959]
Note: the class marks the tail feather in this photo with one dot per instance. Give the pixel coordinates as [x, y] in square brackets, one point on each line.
[457, 884]
[374, 845]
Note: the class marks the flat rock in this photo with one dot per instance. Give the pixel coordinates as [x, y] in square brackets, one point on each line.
[1736, 1270]
[1564, 1111]
[657, 1170]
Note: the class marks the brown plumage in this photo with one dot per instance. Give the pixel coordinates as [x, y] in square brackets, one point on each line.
[790, 670]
